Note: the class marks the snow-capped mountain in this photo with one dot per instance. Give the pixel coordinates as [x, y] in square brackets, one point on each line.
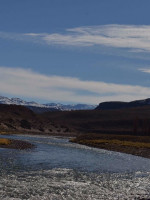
[18, 101]
[45, 107]
[71, 106]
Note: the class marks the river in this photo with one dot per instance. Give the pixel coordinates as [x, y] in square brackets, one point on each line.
[57, 170]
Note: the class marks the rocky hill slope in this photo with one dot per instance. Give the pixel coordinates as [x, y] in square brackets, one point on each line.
[19, 119]
[119, 104]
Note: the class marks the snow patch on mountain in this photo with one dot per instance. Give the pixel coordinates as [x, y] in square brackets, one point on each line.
[54, 106]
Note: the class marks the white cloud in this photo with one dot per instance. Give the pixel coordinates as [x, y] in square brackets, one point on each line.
[136, 38]
[146, 70]
[21, 82]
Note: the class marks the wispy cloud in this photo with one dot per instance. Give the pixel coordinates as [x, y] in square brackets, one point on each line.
[135, 38]
[145, 70]
[21, 82]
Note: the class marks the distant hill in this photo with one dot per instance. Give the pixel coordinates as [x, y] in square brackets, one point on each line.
[119, 104]
[40, 108]
[131, 121]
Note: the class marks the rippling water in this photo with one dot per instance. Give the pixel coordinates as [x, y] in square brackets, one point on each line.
[57, 169]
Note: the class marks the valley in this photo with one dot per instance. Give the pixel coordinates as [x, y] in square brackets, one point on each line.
[123, 130]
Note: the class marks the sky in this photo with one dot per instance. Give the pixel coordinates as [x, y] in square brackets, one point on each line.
[75, 51]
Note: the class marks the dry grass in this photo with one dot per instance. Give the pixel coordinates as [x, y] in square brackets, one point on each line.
[4, 141]
[117, 142]
[139, 146]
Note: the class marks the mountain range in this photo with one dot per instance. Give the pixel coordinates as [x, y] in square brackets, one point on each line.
[39, 108]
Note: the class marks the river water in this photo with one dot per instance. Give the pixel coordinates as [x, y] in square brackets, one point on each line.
[57, 170]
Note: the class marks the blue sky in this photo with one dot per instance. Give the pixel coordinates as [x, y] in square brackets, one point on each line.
[75, 51]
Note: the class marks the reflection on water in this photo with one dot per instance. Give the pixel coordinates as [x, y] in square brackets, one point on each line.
[57, 169]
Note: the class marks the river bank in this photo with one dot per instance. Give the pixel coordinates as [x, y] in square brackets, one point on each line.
[135, 145]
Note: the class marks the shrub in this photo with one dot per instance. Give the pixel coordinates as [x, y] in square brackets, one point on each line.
[41, 129]
[25, 124]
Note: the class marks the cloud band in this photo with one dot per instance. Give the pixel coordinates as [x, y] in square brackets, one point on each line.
[26, 83]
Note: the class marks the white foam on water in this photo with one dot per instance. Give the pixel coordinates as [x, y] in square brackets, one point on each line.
[68, 184]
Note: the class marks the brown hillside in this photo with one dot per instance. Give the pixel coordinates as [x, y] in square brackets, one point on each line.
[123, 121]
[134, 121]
[18, 119]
